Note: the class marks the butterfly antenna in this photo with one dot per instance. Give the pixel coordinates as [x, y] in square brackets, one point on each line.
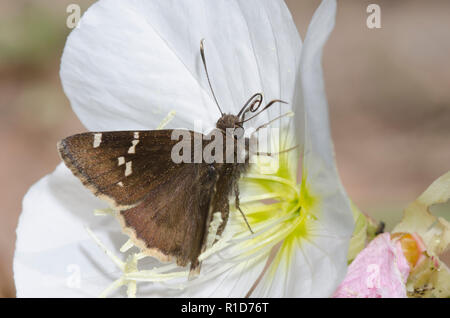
[202, 53]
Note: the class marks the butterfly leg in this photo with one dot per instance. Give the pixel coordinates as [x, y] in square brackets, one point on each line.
[276, 153]
[236, 193]
[289, 114]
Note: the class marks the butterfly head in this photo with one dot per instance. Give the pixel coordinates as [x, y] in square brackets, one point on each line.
[229, 121]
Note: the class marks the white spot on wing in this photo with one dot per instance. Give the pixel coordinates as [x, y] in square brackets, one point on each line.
[133, 146]
[128, 169]
[136, 135]
[120, 184]
[97, 140]
[121, 160]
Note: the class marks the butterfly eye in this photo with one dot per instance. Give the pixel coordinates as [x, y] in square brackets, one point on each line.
[211, 172]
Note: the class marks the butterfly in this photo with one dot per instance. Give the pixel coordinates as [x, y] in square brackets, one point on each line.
[165, 207]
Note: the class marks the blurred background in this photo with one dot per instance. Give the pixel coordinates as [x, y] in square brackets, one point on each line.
[388, 90]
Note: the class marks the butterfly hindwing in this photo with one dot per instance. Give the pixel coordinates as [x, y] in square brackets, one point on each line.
[172, 221]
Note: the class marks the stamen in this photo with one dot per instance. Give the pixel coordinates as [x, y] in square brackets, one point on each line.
[235, 241]
[269, 241]
[119, 263]
[115, 285]
[276, 236]
[151, 276]
[166, 120]
[131, 290]
[218, 269]
[104, 212]
[128, 245]
[271, 178]
[260, 197]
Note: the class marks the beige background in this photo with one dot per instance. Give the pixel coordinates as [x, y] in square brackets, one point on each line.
[389, 94]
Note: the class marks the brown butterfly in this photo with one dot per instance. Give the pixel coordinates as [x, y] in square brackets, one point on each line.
[165, 207]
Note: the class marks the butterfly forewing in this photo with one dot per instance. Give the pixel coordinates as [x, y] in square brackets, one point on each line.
[120, 166]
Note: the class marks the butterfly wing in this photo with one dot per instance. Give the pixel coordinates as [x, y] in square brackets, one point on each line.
[121, 166]
[164, 206]
[172, 221]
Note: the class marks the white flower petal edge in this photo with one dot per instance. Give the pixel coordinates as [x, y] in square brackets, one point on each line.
[313, 265]
[131, 62]
[320, 173]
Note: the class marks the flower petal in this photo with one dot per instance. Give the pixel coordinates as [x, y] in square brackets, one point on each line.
[131, 62]
[303, 268]
[55, 257]
[323, 197]
[417, 218]
[430, 277]
[379, 271]
[320, 175]
[365, 230]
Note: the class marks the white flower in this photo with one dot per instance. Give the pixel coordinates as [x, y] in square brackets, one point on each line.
[126, 67]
